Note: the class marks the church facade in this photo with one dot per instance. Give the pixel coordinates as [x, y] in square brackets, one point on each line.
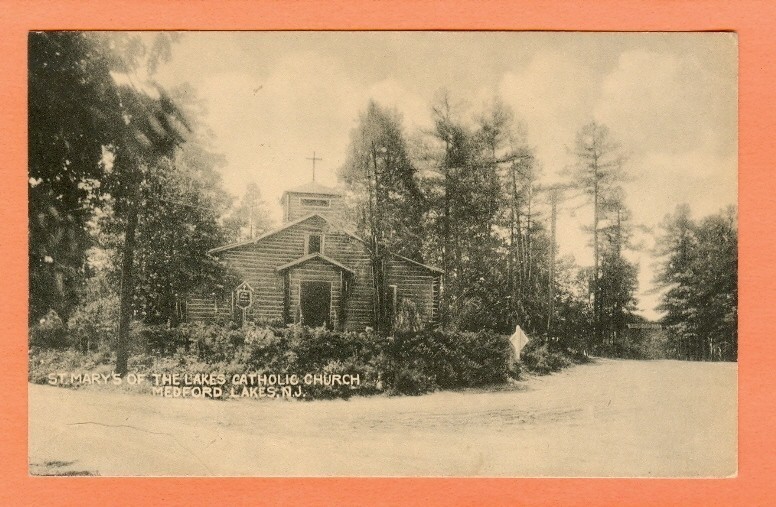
[313, 271]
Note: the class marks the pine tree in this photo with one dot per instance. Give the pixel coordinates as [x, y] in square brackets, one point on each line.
[699, 275]
[598, 172]
[250, 218]
[389, 204]
[462, 182]
[74, 114]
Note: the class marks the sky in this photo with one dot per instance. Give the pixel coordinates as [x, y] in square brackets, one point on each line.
[669, 99]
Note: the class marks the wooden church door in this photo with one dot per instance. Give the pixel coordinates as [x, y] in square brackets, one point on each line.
[315, 303]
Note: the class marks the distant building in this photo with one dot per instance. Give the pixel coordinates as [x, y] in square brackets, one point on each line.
[314, 271]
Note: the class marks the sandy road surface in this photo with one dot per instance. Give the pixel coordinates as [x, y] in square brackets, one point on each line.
[608, 418]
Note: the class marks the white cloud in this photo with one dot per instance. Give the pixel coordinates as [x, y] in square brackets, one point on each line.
[554, 96]
[667, 103]
[268, 125]
[699, 178]
[391, 93]
[274, 98]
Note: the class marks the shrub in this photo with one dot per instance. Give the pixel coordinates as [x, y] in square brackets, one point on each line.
[299, 350]
[43, 362]
[411, 380]
[49, 332]
[410, 362]
[212, 342]
[448, 360]
[367, 378]
[152, 339]
[93, 323]
[408, 318]
[538, 358]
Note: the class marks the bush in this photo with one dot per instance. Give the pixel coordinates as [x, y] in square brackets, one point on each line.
[447, 360]
[411, 362]
[93, 324]
[411, 380]
[49, 332]
[408, 317]
[367, 376]
[211, 342]
[538, 358]
[299, 350]
[43, 362]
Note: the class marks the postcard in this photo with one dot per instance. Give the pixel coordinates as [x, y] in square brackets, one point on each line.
[383, 254]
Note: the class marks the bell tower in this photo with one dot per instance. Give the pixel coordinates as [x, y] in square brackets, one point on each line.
[311, 198]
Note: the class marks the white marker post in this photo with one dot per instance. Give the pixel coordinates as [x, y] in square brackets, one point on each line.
[518, 340]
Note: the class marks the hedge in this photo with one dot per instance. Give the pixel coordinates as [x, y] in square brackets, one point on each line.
[412, 362]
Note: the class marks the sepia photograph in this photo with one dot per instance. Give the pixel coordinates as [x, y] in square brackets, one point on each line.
[383, 254]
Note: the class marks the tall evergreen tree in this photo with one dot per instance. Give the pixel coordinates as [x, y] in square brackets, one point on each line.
[699, 275]
[619, 277]
[675, 276]
[598, 172]
[250, 218]
[74, 114]
[389, 204]
[463, 186]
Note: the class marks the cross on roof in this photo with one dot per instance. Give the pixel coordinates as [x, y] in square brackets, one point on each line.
[314, 158]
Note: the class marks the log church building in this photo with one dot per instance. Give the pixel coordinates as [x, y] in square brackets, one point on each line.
[313, 271]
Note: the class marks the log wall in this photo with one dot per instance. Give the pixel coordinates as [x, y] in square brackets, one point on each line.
[299, 205]
[276, 294]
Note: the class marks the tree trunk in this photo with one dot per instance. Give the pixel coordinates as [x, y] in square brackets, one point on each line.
[378, 264]
[511, 258]
[551, 284]
[446, 238]
[127, 288]
[596, 284]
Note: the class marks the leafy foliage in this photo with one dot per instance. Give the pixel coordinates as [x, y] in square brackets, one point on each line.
[381, 176]
[49, 332]
[461, 181]
[74, 113]
[387, 201]
[599, 173]
[409, 363]
[93, 323]
[699, 274]
[184, 201]
[539, 358]
[250, 218]
[447, 360]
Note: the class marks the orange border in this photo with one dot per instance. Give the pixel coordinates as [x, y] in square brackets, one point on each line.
[752, 19]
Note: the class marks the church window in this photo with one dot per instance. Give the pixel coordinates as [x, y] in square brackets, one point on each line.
[314, 243]
[317, 203]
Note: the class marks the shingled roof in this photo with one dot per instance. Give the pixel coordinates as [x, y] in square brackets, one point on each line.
[339, 227]
[313, 187]
[312, 256]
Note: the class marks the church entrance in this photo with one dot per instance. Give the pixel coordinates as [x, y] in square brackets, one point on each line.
[315, 303]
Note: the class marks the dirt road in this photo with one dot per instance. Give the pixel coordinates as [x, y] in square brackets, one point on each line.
[609, 418]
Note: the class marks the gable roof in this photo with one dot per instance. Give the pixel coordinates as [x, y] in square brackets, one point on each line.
[430, 268]
[280, 229]
[309, 257]
[328, 221]
[313, 187]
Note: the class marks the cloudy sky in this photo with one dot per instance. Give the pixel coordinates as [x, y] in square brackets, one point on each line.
[669, 99]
